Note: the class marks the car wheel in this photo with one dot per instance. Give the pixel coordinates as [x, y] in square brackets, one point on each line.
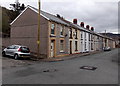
[16, 56]
[3, 54]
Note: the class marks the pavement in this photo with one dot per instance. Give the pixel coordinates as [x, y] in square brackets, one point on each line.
[70, 56]
[68, 71]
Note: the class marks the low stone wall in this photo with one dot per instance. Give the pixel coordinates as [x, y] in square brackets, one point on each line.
[30, 42]
[6, 42]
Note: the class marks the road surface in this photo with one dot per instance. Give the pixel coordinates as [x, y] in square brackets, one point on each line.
[67, 72]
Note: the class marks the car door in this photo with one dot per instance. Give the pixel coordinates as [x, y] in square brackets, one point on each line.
[9, 50]
[14, 50]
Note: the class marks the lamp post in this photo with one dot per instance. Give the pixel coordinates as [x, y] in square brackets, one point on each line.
[38, 39]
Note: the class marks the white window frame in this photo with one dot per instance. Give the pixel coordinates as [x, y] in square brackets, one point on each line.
[62, 49]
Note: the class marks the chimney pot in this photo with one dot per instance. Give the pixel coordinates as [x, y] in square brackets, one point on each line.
[82, 24]
[92, 28]
[87, 26]
[75, 21]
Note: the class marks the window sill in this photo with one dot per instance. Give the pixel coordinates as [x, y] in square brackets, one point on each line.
[62, 36]
[62, 51]
[52, 35]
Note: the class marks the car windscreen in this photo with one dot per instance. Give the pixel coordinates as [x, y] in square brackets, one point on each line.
[25, 49]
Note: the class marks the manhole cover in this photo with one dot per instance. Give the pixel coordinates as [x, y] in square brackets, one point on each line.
[88, 67]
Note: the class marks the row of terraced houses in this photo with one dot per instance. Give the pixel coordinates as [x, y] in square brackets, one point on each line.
[58, 37]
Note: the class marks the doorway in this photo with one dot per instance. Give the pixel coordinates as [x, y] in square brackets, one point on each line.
[52, 52]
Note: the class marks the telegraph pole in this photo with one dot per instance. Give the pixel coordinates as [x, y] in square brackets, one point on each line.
[105, 39]
[38, 39]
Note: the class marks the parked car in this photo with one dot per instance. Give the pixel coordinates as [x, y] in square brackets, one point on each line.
[17, 51]
[106, 48]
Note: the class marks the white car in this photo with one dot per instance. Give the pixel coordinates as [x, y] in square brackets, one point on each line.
[106, 48]
[17, 51]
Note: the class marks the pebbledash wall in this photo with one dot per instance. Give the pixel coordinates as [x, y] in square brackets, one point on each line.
[66, 38]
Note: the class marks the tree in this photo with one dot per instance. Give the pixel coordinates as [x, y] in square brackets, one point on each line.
[9, 15]
[5, 20]
[17, 7]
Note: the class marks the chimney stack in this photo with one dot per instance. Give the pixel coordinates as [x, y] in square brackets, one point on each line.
[87, 27]
[82, 24]
[92, 28]
[75, 21]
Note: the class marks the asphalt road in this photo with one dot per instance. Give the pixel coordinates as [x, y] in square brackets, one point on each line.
[68, 71]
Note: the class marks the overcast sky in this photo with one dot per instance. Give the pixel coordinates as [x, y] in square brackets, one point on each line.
[100, 14]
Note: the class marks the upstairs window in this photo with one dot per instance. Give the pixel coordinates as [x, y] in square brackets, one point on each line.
[62, 30]
[75, 34]
[70, 33]
[52, 28]
[91, 37]
[98, 37]
[81, 36]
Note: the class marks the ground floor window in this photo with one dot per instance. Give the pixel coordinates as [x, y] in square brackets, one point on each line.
[61, 45]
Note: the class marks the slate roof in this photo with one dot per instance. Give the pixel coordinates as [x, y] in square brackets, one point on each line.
[51, 17]
[59, 20]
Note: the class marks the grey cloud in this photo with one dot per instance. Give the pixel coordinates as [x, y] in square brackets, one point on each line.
[100, 15]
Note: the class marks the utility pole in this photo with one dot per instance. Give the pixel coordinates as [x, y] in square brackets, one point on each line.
[38, 39]
[105, 39]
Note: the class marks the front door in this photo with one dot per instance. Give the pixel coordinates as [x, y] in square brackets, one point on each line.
[52, 48]
[70, 47]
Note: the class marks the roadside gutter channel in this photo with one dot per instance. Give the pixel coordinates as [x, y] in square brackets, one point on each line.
[72, 56]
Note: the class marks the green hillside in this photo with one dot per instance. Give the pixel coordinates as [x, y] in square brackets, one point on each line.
[7, 17]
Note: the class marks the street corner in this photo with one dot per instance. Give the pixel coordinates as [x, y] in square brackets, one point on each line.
[8, 62]
[53, 60]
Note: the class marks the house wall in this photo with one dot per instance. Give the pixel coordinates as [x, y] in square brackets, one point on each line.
[113, 44]
[87, 42]
[100, 43]
[73, 41]
[25, 29]
[6, 42]
[92, 42]
[81, 41]
[57, 37]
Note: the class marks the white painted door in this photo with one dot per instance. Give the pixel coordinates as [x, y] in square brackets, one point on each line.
[52, 48]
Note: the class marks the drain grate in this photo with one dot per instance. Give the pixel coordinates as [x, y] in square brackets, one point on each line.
[88, 67]
[50, 70]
